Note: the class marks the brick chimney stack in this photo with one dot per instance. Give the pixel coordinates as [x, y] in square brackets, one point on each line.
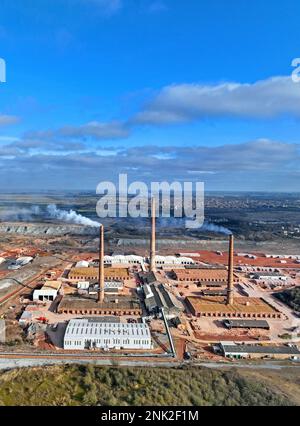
[230, 271]
[101, 265]
[153, 238]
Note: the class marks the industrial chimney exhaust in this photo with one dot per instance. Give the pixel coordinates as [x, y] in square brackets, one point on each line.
[101, 265]
[230, 272]
[153, 232]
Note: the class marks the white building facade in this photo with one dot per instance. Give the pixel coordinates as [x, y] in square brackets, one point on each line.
[88, 333]
[123, 260]
[44, 295]
[173, 261]
[138, 260]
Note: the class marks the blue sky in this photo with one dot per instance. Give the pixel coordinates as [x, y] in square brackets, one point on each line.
[158, 89]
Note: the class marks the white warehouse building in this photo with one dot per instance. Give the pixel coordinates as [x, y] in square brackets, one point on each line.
[123, 260]
[48, 292]
[20, 261]
[138, 260]
[45, 295]
[172, 261]
[88, 333]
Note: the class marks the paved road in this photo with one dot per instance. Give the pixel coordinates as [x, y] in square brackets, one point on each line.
[9, 363]
[264, 366]
[33, 362]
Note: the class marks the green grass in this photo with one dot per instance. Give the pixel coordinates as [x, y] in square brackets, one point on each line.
[109, 386]
[291, 298]
[285, 336]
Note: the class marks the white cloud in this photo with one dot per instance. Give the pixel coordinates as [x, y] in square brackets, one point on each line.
[95, 130]
[271, 98]
[277, 96]
[6, 120]
[262, 164]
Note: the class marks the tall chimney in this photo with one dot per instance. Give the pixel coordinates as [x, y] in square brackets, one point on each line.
[230, 272]
[153, 242]
[101, 265]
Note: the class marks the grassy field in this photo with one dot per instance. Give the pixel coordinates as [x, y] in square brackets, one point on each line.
[286, 381]
[109, 386]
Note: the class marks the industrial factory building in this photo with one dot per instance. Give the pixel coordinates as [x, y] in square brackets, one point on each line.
[20, 262]
[268, 276]
[232, 350]
[48, 292]
[249, 324]
[157, 296]
[82, 264]
[85, 285]
[113, 305]
[214, 306]
[90, 333]
[110, 287]
[119, 260]
[171, 261]
[241, 307]
[123, 260]
[218, 292]
[211, 284]
[92, 274]
[149, 277]
[203, 275]
[105, 302]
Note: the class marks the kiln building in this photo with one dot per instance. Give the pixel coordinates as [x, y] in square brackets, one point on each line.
[92, 274]
[210, 276]
[113, 305]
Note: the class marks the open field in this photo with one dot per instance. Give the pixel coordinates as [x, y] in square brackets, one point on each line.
[286, 381]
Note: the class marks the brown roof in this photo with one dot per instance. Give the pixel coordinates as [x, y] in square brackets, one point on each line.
[240, 305]
[122, 273]
[52, 284]
[203, 274]
[124, 303]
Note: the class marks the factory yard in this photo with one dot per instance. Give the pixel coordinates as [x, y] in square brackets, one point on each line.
[254, 259]
[172, 307]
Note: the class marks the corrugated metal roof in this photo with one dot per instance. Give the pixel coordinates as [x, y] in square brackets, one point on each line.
[246, 323]
[244, 349]
[83, 327]
[214, 292]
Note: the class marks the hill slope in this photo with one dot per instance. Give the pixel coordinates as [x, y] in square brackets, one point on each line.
[88, 385]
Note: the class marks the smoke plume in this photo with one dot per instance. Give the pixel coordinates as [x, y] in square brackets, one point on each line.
[211, 227]
[70, 216]
[20, 214]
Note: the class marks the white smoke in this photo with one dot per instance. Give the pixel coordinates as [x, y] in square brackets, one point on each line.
[20, 214]
[70, 216]
[211, 227]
